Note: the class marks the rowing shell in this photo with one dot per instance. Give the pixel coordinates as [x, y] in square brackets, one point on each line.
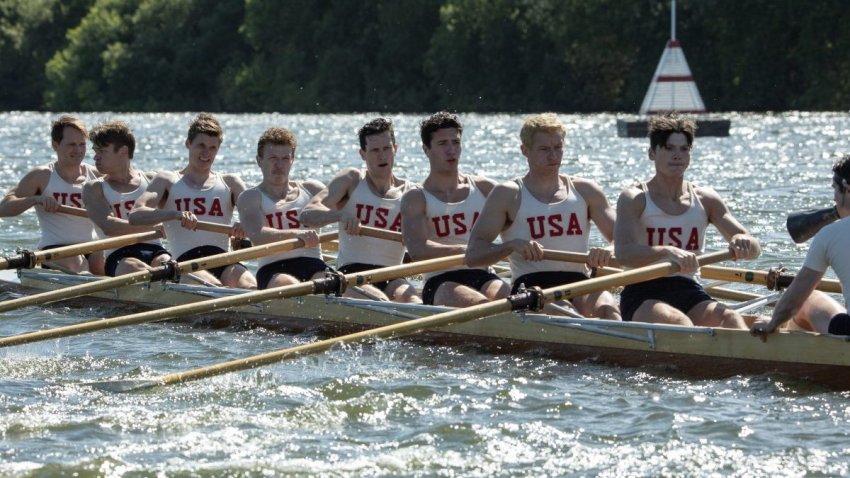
[698, 351]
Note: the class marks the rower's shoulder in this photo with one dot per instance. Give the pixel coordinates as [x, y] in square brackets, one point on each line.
[631, 193]
[313, 186]
[585, 186]
[483, 183]
[91, 170]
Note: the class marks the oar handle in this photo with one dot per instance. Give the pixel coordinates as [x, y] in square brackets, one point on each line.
[380, 233]
[774, 278]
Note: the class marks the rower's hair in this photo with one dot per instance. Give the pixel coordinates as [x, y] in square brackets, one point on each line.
[57, 128]
[841, 168]
[662, 126]
[438, 121]
[376, 126]
[281, 136]
[205, 123]
[116, 133]
[540, 123]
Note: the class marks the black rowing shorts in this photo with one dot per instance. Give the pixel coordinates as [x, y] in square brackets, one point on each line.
[681, 293]
[302, 268]
[547, 279]
[472, 278]
[143, 252]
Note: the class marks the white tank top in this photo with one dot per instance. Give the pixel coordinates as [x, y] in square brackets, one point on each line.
[561, 226]
[377, 212]
[64, 229]
[285, 215]
[121, 203]
[451, 223]
[685, 231]
[211, 204]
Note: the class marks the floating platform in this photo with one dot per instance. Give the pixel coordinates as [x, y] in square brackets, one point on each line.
[640, 128]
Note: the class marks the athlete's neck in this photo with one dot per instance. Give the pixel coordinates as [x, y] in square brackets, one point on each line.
[543, 185]
[672, 187]
[276, 190]
[70, 171]
[380, 184]
[195, 177]
[124, 176]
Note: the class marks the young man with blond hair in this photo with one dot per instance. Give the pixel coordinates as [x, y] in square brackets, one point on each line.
[110, 198]
[179, 200]
[55, 184]
[545, 209]
[271, 212]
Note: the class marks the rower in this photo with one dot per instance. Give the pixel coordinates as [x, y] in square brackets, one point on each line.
[810, 309]
[55, 184]
[179, 199]
[110, 198]
[665, 219]
[546, 209]
[270, 212]
[437, 218]
[368, 197]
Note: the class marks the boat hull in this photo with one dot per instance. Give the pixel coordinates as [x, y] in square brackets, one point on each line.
[696, 351]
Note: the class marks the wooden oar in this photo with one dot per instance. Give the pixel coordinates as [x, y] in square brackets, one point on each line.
[520, 301]
[160, 273]
[202, 225]
[328, 285]
[29, 259]
[770, 279]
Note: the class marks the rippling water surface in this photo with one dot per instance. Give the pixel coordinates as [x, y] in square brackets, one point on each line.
[399, 408]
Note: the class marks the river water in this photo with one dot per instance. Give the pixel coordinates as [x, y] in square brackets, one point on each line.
[400, 408]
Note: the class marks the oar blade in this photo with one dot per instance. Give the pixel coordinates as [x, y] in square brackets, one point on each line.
[124, 386]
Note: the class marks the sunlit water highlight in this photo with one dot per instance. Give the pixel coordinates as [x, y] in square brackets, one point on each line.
[399, 408]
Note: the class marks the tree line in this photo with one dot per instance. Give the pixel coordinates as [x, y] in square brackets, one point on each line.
[311, 56]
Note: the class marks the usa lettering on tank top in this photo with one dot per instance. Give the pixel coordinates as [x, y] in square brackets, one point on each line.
[122, 202]
[451, 223]
[284, 215]
[563, 225]
[212, 204]
[64, 228]
[372, 211]
[684, 231]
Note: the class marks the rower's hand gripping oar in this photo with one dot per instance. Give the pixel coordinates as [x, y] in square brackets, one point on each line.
[168, 271]
[531, 299]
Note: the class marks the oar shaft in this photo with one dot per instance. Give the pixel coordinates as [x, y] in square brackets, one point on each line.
[86, 248]
[438, 320]
[202, 225]
[758, 277]
[223, 303]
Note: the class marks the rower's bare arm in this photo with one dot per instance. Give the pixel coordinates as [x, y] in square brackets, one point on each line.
[325, 207]
[741, 243]
[484, 184]
[26, 194]
[256, 227]
[236, 185]
[599, 209]
[414, 228]
[497, 215]
[629, 240]
[147, 210]
[792, 300]
[100, 212]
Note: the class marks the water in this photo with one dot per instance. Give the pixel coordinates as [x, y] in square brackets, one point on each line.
[400, 408]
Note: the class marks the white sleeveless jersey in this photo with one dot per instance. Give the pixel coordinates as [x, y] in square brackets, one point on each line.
[451, 223]
[685, 231]
[562, 226]
[64, 229]
[211, 204]
[377, 212]
[121, 203]
[285, 215]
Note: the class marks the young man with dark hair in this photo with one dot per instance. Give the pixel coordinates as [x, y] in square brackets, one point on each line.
[438, 217]
[665, 219]
[546, 209]
[369, 197]
[180, 200]
[811, 309]
[271, 211]
[55, 184]
[110, 198]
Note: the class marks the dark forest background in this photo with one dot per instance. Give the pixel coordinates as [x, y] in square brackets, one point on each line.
[415, 55]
